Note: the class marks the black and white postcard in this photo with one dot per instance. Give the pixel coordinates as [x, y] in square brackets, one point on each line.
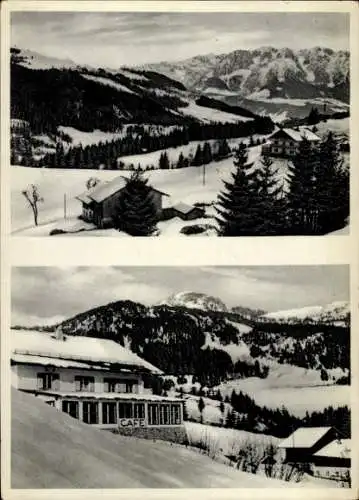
[179, 123]
[179, 250]
[175, 377]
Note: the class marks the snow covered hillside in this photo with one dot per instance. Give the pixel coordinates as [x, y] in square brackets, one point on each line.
[295, 391]
[71, 454]
[336, 312]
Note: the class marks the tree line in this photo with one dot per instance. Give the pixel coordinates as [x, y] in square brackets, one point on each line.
[106, 154]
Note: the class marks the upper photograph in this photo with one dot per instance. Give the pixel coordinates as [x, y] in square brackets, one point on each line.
[179, 124]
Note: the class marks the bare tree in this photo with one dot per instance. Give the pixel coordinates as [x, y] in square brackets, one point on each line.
[32, 195]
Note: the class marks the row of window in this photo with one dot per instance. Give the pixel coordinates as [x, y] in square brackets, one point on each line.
[158, 413]
[51, 381]
[281, 150]
[282, 142]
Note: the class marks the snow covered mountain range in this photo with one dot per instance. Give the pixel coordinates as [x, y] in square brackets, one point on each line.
[330, 313]
[194, 300]
[265, 72]
[50, 93]
[335, 312]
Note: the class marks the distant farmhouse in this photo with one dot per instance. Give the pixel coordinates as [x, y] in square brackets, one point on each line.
[324, 449]
[285, 142]
[96, 381]
[99, 204]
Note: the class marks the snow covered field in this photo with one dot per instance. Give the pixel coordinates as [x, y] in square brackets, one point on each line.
[297, 399]
[185, 185]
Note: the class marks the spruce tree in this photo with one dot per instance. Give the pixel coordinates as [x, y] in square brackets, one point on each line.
[332, 194]
[269, 209]
[207, 153]
[301, 198]
[164, 163]
[136, 211]
[198, 157]
[180, 162]
[236, 202]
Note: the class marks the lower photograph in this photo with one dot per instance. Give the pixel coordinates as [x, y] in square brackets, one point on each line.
[180, 377]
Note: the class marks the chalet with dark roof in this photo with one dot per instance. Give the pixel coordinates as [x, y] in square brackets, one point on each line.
[99, 204]
[285, 142]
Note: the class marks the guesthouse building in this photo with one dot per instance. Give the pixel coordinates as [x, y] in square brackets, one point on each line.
[96, 381]
[285, 142]
[99, 204]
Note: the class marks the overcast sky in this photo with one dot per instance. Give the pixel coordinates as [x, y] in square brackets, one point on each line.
[45, 295]
[116, 39]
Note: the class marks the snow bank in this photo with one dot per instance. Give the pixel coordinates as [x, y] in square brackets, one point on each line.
[71, 454]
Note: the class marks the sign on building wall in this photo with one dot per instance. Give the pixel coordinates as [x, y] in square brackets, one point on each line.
[131, 422]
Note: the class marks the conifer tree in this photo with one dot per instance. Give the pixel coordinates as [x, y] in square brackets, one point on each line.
[136, 211]
[198, 157]
[332, 192]
[164, 162]
[269, 209]
[207, 153]
[180, 162]
[301, 198]
[201, 406]
[235, 203]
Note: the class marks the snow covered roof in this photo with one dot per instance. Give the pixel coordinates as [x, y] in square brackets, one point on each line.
[93, 350]
[339, 448]
[113, 395]
[47, 361]
[183, 208]
[104, 190]
[84, 197]
[304, 437]
[297, 135]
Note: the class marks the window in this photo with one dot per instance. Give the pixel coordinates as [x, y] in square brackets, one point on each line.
[46, 381]
[131, 386]
[175, 414]
[139, 410]
[109, 413]
[111, 385]
[165, 414]
[125, 410]
[153, 414]
[85, 384]
[90, 412]
[71, 407]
